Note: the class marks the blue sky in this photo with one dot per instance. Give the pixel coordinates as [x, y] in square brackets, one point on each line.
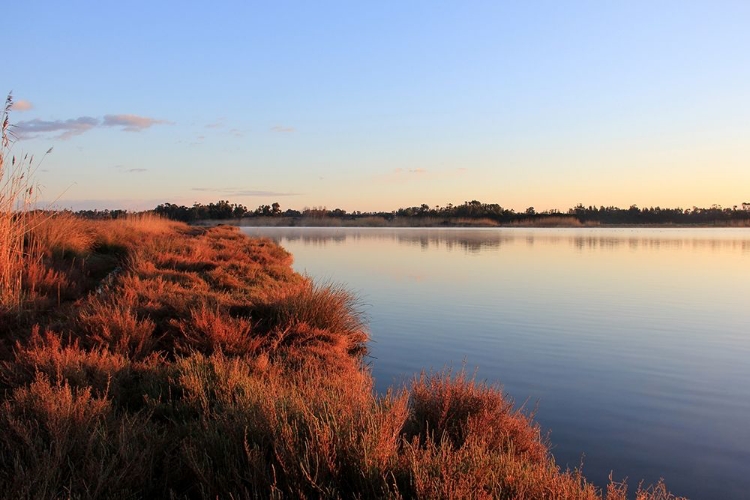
[374, 106]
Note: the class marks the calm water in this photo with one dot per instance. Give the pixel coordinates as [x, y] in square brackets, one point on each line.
[634, 344]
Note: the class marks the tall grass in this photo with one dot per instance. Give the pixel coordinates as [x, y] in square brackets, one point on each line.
[60, 232]
[16, 196]
[553, 221]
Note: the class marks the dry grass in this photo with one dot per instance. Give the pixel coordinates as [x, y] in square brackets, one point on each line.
[58, 441]
[483, 222]
[60, 233]
[451, 408]
[16, 198]
[553, 221]
[739, 223]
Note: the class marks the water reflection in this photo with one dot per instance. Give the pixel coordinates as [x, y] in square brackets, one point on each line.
[470, 241]
[476, 240]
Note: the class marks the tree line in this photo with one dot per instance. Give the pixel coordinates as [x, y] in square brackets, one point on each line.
[224, 210]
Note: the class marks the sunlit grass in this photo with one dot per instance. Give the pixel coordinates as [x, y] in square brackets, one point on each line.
[17, 257]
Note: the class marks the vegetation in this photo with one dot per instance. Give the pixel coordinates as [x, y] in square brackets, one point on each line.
[470, 213]
[220, 210]
[15, 195]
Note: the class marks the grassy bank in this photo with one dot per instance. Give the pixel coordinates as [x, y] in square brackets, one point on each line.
[146, 358]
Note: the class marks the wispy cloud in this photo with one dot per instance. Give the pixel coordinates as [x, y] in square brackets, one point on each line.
[244, 192]
[77, 126]
[22, 105]
[125, 170]
[66, 128]
[282, 129]
[131, 123]
[217, 124]
[399, 171]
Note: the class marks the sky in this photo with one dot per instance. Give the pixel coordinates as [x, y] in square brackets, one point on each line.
[379, 105]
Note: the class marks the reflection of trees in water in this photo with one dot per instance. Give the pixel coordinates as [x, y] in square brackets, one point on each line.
[654, 243]
[477, 240]
[312, 237]
[317, 240]
[470, 242]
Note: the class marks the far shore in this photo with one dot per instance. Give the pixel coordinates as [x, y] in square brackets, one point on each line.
[436, 222]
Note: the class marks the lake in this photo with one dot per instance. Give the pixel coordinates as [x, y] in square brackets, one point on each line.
[633, 345]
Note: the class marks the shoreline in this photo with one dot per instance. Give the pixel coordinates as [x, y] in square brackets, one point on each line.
[334, 223]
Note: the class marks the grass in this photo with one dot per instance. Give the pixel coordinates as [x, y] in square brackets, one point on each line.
[554, 221]
[16, 196]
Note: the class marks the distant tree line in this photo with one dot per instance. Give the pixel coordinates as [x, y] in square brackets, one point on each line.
[658, 215]
[221, 210]
[604, 215]
[468, 210]
[100, 214]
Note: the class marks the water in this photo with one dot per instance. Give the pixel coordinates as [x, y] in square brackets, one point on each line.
[632, 344]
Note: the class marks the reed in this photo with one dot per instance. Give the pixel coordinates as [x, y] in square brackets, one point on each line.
[553, 221]
[16, 199]
[60, 233]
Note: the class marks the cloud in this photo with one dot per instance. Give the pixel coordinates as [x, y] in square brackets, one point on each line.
[244, 192]
[283, 129]
[399, 171]
[235, 132]
[217, 124]
[124, 170]
[131, 123]
[22, 105]
[77, 126]
[67, 128]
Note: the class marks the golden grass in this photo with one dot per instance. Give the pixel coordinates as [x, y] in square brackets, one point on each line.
[554, 221]
[483, 222]
[60, 232]
[16, 196]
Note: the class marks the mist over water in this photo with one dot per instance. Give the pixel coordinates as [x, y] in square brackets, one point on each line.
[633, 345]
